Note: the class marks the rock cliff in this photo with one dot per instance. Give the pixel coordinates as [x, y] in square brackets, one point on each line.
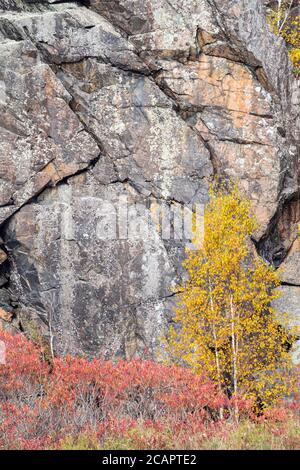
[110, 108]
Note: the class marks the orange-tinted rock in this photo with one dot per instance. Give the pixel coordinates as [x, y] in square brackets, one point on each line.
[3, 256]
[215, 82]
[40, 131]
[137, 99]
[6, 316]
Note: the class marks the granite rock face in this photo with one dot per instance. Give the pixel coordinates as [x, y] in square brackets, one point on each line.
[112, 114]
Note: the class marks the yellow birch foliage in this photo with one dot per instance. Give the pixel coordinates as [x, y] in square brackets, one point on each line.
[283, 23]
[225, 325]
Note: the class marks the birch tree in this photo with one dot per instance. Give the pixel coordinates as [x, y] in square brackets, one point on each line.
[225, 325]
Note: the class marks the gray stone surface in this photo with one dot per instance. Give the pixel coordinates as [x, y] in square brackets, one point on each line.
[291, 265]
[289, 303]
[41, 138]
[142, 101]
[96, 291]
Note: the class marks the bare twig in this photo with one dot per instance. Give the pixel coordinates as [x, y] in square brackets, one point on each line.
[286, 14]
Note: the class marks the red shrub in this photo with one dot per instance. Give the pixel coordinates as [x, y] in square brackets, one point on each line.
[149, 404]
[23, 372]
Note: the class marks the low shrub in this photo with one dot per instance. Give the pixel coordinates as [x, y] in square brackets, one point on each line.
[74, 403]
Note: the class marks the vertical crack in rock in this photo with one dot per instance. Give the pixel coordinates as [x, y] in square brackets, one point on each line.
[66, 272]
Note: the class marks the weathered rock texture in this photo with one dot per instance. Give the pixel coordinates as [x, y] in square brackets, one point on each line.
[133, 102]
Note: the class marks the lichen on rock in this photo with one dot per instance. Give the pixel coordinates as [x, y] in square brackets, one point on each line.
[143, 102]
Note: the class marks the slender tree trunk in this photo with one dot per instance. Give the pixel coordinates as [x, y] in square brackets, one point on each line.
[279, 14]
[234, 356]
[218, 369]
[286, 15]
[217, 359]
